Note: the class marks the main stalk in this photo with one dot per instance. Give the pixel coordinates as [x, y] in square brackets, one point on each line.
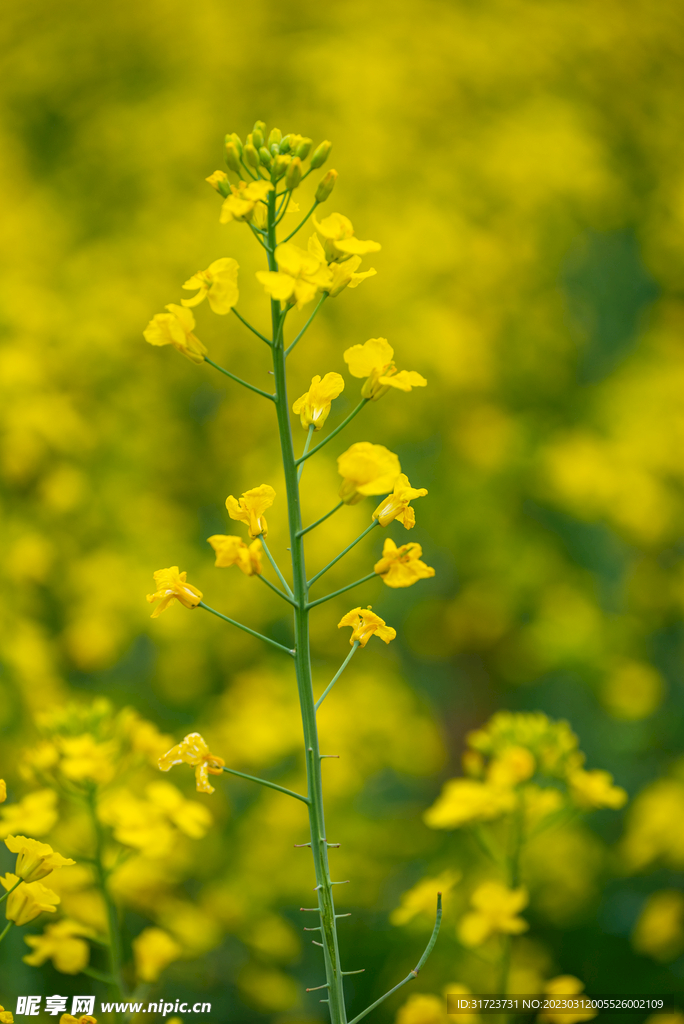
[319, 842]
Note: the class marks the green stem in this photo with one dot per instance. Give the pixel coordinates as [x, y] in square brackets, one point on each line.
[276, 590]
[265, 782]
[239, 380]
[322, 519]
[249, 326]
[355, 647]
[306, 448]
[319, 844]
[300, 225]
[114, 931]
[342, 590]
[322, 299]
[4, 931]
[99, 975]
[10, 891]
[412, 974]
[515, 850]
[275, 567]
[246, 629]
[332, 434]
[342, 553]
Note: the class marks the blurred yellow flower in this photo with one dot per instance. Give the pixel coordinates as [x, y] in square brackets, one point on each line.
[337, 235]
[365, 623]
[240, 204]
[396, 505]
[366, 469]
[35, 813]
[250, 508]
[61, 943]
[313, 408]
[401, 566]
[233, 551]
[343, 275]
[496, 912]
[175, 328]
[512, 765]
[422, 1008]
[3, 791]
[85, 1018]
[218, 283]
[6, 1016]
[83, 758]
[137, 823]
[650, 835]
[539, 803]
[375, 361]
[422, 898]
[27, 901]
[595, 789]
[35, 860]
[464, 801]
[153, 950]
[193, 750]
[171, 585]
[565, 985]
[659, 930]
[633, 690]
[299, 277]
[189, 816]
[220, 181]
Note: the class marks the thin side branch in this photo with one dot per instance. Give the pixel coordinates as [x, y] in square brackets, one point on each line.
[322, 299]
[301, 223]
[342, 553]
[277, 591]
[249, 326]
[275, 567]
[337, 675]
[321, 520]
[336, 593]
[334, 432]
[412, 974]
[271, 785]
[246, 629]
[239, 380]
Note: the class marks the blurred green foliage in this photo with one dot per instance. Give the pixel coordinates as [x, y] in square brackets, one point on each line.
[521, 164]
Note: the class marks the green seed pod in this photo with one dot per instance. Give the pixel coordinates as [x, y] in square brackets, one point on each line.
[325, 187]
[275, 137]
[232, 157]
[258, 134]
[285, 144]
[320, 154]
[303, 148]
[265, 157]
[251, 155]
[294, 173]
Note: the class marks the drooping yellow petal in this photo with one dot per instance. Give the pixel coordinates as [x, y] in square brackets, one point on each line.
[194, 751]
[250, 508]
[218, 283]
[313, 407]
[35, 860]
[401, 566]
[233, 551]
[339, 243]
[243, 198]
[367, 469]
[365, 623]
[396, 505]
[171, 585]
[375, 354]
[175, 328]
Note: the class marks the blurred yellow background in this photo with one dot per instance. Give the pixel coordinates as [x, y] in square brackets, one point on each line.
[522, 164]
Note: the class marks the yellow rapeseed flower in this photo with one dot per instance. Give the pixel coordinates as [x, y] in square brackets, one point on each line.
[171, 586]
[396, 505]
[137, 823]
[337, 235]
[220, 181]
[218, 283]
[375, 361]
[313, 408]
[495, 912]
[84, 759]
[401, 566]
[421, 899]
[35, 813]
[193, 750]
[512, 765]
[61, 943]
[299, 277]
[343, 275]
[367, 469]
[250, 508]
[189, 816]
[464, 801]
[243, 198]
[153, 950]
[566, 985]
[175, 328]
[35, 860]
[7, 1017]
[3, 791]
[85, 1018]
[365, 623]
[233, 551]
[595, 789]
[27, 901]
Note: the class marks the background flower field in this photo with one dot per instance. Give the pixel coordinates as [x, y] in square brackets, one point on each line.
[522, 165]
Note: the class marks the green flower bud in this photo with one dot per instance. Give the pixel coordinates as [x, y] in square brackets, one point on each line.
[321, 154]
[280, 165]
[275, 137]
[325, 186]
[303, 149]
[258, 134]
[285, 144]
[251, 155]
[274, 149]
[236, 140]
[232, 157]
[294, 173]
[265, 157]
